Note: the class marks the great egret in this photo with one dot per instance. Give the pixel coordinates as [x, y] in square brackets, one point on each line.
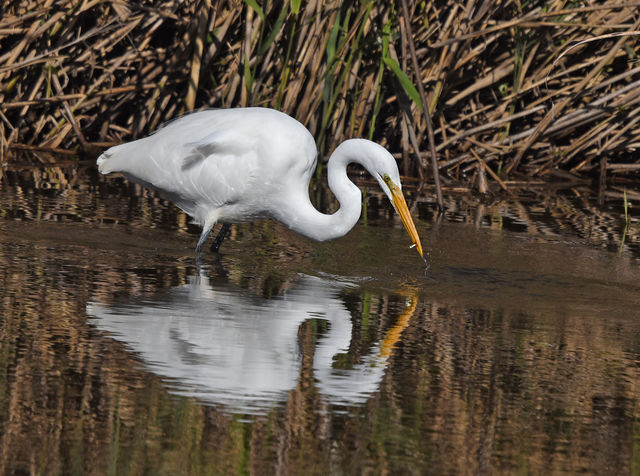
[237, 165]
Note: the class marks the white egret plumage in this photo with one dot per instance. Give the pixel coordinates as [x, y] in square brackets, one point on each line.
[238, 165]
[224, 345]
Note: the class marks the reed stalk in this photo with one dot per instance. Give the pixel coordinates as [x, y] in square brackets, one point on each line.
[524, 89]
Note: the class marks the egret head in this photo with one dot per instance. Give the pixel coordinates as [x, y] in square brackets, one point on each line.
[383, 167]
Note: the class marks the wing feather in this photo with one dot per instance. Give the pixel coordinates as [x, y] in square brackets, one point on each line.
[231, 158]
[221, 142]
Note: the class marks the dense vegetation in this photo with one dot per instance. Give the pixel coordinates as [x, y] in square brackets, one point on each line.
[535, 88]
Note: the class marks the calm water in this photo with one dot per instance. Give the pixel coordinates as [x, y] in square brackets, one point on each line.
[518, 351]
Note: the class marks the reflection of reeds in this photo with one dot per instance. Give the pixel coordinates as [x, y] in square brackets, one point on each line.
[495, 389]
[501, 82]
[626, 223]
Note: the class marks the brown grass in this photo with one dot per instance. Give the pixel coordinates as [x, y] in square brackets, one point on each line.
[508, 91]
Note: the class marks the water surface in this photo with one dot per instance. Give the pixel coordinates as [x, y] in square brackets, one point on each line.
[517, 351]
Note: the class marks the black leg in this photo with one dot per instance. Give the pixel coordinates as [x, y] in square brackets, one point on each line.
[215, 246]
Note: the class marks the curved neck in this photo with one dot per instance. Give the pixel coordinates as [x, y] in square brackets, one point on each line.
[302, 217]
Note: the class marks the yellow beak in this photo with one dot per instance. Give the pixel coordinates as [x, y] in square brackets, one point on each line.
[401, 207]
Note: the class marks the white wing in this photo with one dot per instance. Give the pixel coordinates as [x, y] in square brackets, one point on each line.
[232, 158]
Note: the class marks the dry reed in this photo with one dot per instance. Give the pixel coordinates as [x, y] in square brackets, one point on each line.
[507, 92]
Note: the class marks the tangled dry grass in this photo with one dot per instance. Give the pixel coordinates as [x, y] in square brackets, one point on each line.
[539, 89]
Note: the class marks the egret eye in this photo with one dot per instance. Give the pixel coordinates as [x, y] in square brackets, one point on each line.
[393, 188]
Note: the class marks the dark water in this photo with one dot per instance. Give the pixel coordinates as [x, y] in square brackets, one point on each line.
[518, 351]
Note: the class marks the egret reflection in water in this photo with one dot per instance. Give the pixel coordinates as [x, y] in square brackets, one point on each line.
[228, 347]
